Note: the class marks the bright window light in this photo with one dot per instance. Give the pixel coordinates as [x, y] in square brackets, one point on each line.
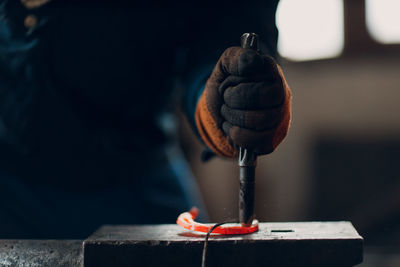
[310, 29]
[383, 20]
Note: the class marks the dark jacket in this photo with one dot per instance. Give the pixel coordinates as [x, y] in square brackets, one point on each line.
[86, 93]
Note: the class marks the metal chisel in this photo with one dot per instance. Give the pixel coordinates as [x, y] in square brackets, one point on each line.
[247, 160]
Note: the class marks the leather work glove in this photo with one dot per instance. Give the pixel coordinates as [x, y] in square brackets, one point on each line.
[246, 102]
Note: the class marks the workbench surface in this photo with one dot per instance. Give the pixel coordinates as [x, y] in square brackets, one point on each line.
[275, 244]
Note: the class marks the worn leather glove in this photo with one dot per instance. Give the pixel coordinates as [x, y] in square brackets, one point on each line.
[246, 102]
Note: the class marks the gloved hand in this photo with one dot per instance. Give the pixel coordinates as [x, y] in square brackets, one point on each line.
[246, 102]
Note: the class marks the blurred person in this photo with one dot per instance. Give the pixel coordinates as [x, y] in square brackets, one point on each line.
[87, 131]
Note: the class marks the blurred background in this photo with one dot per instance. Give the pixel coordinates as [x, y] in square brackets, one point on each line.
[341, 158]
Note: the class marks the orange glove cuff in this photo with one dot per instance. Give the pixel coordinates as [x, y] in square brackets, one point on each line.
[212, 136]
[283, 127]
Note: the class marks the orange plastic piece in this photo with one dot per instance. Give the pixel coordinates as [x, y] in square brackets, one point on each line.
[186, 220]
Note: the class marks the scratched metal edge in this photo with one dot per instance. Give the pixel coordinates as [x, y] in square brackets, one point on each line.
[41, 252]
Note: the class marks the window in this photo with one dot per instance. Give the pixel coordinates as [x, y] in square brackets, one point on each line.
[383, 20]
[310, 29]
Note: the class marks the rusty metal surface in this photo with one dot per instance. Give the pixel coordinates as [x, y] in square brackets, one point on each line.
[276, 244]
[43, 253]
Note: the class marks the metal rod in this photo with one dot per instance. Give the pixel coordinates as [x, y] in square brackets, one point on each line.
[247, 160]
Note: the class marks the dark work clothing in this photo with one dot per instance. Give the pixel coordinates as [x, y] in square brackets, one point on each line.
[86, 135]
[157, 195]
